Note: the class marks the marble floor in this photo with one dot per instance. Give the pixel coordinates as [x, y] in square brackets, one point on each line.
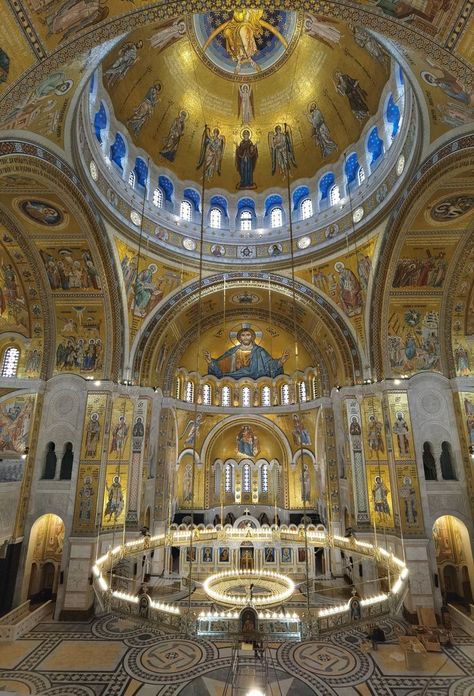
[111, 656]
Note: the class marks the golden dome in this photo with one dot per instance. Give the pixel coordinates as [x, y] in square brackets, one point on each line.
[299, 88]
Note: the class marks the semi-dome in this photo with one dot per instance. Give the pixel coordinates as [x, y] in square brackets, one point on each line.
[215, 114]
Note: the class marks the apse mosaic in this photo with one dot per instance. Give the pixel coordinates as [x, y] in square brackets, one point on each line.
[246, 349]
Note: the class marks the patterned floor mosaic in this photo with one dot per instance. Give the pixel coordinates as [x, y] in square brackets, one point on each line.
[111, 656]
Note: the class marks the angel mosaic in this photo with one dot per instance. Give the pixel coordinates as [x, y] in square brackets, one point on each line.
[212, 151]
[282, 151]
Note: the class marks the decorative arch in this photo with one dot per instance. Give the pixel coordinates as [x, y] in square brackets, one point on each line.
[434, 183]
[41, 165]
[348, 353]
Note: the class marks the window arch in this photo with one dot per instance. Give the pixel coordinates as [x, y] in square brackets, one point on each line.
[215, 218]
[325, 184]
[306, 208]
[141, 172]
[185, 211]
[360, 175]
[206, 394]
[246, 396]
[228, 478]
[158, 198]
[245, 220]
[315, 388]
[264, 478]
[285, 394]
[302, 390]
[225, 398]
[10, 360]
[374, 146]
[131, 179]
[189, 396]
[246, 478]
[100, 123]
[276, 217]
[334, 195]
[266, 396]
[118, 150]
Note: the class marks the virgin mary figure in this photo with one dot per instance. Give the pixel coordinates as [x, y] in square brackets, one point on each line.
[246, 155]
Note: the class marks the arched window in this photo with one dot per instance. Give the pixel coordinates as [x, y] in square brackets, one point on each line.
[246, 478]
[158, 198]
[177, 388]
[190, 392]
[315, 388]
[246, 394]
[246, 220]
[285, 394]
[10, 362]
[215, 218]
[131, 179]
[306, 208]
[334, 195]
[266, 395]
[228, 479]
[302, 390]
[185, 211]
[206, 394]
[446, 461]
[360, 175]
[374, 147]
[100, 123]
[225, 400]
[276, 218]
[264, 478]
[118, 150]
[393, 117]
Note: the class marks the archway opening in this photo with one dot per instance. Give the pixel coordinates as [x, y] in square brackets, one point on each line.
[45, 549]
[453, 549]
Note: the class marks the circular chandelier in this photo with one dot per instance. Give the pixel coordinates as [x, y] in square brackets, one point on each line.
[262, 587]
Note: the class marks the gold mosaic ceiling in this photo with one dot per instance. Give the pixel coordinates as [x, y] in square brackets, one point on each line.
[246, 71]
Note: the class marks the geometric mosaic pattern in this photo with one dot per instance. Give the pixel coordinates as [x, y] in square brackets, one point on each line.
[112, 656]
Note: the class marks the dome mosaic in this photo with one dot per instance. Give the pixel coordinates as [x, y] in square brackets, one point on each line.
[243, 105]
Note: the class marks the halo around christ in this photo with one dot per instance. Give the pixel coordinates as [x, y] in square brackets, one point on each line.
[244, 43]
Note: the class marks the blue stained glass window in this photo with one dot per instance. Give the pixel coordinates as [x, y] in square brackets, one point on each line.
[393, 115]
[220, 202]
[298, 195]
[167, 186]
[100, 122]
[271, 201]
[375, 145]
[246, 203]
[118, 150]
[351, 167]
[193, 196]
[141, 171]
[325, 184]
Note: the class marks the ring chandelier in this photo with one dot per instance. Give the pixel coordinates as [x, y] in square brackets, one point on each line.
[279, 586]
[398, 571]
